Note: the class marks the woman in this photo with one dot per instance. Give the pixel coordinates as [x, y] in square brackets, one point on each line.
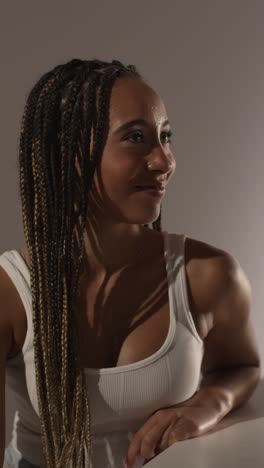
[106, 360]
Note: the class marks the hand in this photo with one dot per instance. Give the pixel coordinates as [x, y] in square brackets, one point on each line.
[167, 426]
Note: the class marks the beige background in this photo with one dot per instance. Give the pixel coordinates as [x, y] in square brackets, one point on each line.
[205, 58]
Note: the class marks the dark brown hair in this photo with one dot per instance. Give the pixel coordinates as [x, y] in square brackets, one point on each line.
[50, 135]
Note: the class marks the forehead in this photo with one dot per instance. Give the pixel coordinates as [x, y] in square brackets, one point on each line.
[133, 98]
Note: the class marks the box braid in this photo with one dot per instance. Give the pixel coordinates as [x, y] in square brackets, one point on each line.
[59, 109]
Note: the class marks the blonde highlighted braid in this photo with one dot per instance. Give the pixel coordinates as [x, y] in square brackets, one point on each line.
[58, 107]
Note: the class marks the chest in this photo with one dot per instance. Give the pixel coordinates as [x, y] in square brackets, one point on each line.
[126, 320]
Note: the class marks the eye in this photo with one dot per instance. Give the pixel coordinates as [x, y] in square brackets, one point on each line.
[137, 134]
[167, 135]
[140, 135]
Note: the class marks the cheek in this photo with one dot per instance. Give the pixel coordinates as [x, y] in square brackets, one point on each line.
[121, 168]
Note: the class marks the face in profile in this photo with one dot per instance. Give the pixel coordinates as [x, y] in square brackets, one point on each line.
[135, 153]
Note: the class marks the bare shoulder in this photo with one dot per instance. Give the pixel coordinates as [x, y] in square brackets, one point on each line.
[200, 253]
[13, 309]
[203, 262]
[222, 293]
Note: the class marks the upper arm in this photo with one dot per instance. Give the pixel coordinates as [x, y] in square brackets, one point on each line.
[231, 341]
[6, 334]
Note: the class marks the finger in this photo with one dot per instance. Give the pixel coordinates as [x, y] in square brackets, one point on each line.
[157, 422]
[180, 431]
[134, 447]
[164, 442]
[150, 441]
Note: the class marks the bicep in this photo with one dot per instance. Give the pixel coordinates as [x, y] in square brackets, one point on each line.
[226, 346]
[231, 342]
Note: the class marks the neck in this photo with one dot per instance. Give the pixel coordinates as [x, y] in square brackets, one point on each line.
[111, 249]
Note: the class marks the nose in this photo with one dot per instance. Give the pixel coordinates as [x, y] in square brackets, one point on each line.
[162, 159]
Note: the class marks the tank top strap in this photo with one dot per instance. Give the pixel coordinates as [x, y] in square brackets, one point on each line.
[179, 281]
[16, 268]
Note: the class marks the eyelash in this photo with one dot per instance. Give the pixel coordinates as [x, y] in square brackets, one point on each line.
[168, 134]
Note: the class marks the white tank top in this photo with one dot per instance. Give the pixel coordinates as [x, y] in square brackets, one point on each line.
[122, 398]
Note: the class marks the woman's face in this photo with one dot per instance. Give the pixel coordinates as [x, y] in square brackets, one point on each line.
[129, 150]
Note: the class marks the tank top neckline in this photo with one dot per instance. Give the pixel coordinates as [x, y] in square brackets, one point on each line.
[171, 331]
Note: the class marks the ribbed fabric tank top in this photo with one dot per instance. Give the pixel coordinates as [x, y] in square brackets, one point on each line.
[122, 398]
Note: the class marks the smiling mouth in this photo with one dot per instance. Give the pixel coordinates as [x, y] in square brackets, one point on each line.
[151, 190]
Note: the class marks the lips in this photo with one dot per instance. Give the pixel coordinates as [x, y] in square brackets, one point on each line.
[151, 186]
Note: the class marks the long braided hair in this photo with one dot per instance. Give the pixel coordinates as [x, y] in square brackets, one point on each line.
[59, 109]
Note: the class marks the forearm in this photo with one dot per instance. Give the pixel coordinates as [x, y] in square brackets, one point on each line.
[225, 390]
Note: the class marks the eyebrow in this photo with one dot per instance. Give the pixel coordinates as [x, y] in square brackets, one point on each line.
[132, 123]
